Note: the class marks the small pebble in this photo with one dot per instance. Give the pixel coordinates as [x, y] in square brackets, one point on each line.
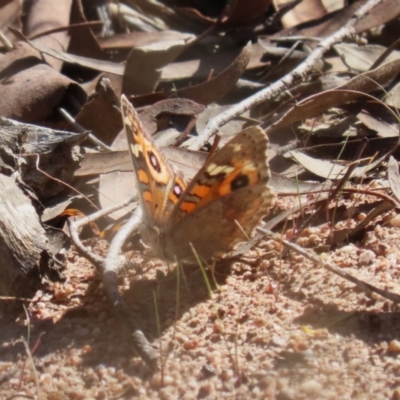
[366, 257]
[311, 387]
[394, 346]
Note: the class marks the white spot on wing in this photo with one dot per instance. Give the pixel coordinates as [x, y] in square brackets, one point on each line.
[136, 149]
[214, 169]
[249, 166]
[236, 147]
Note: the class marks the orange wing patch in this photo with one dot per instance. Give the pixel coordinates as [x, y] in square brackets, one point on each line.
[223, 180]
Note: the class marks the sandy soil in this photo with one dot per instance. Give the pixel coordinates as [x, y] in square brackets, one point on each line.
[275, 329]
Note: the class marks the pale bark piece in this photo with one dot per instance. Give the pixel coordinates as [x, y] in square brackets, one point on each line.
[136, 17]
[45, 158]
[23, 241]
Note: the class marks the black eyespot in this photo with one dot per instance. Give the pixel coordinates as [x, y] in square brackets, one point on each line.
[154, 161]
[239, 182]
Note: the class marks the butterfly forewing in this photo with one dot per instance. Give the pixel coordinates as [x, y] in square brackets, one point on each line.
[158, 186]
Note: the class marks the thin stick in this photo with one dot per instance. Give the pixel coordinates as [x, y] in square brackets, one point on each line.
[366, 287]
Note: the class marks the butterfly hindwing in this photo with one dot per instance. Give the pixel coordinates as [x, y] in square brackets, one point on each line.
[225, 200]
[240, 163]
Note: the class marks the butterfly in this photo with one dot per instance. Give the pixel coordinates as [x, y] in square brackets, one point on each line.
[218, 209]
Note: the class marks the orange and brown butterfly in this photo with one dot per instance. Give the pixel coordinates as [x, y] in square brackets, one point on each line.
[219, 208]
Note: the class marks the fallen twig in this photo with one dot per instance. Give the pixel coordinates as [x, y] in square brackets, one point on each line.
[347, 32]
[366, 287]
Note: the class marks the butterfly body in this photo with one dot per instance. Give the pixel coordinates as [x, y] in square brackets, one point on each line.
[219, 208]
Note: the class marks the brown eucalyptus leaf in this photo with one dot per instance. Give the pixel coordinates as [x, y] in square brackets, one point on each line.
[361, 58]
[136, 39]
[19, 98]
[332, 22]
[101, 114]
[87, 62]
[44, 15]
[294, 186]
[375, 122]
[325, 26]
[392, 97]
[206, 92]
[105, 162]
[233, 126]
[200, 68]
[83, 40]
[142, 71]
[333, 170]
[305, 11]
[173, 106]
[244, 11]
[317, 104]
[322, 168]
[10, 11]
[218, 86]
[383, 12]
